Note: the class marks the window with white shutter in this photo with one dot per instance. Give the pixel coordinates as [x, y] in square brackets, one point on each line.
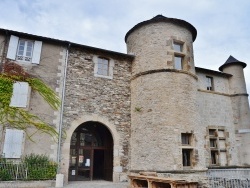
[20, 95]
[24, 50]
[13, 143]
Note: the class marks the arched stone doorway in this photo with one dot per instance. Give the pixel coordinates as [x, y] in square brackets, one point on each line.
[91, 153]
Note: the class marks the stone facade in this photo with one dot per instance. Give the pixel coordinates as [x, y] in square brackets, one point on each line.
[101, 98]
[164, 114]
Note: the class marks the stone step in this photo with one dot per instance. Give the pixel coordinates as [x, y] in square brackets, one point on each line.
[96, 184]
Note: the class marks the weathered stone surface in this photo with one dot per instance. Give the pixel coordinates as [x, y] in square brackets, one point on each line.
[109, 98]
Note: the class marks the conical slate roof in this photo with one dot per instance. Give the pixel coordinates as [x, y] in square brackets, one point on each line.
[160, 18]
[231, 60]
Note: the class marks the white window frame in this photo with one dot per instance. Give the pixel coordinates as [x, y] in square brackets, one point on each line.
[110, 67]
[22, 54]
[13, 143]
[14, 46]
[20, 95]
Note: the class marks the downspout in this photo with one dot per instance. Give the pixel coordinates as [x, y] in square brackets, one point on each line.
[61, 111]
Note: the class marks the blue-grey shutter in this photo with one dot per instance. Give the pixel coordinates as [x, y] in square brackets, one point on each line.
[12, 48]
[20, 95]
[37, 52]
[13, 143]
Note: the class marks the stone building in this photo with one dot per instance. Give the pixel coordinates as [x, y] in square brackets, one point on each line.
[151, 109]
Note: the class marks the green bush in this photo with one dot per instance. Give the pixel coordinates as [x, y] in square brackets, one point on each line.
[36, 159]
[40, 167]
[5, 175]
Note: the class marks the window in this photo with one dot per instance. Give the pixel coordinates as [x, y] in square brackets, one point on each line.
[214, 157]
[186, 138]
[212, 132]
[20, 95]
[13, 143]
[178, 62]
[209, 83]
[186, 142]
[217, 145]
[213, 143]
[24, 50]
[178, 55]
[186, 156]
[178, 47]
[103, 67]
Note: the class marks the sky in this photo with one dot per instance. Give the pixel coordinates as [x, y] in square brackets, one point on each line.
[223, 26]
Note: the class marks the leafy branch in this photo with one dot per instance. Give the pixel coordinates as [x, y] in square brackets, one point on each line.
[19, 118]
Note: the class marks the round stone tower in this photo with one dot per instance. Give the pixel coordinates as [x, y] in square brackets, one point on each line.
[164, 111]
[240, 103]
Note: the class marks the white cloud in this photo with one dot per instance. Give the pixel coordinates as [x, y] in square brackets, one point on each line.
[223, 26]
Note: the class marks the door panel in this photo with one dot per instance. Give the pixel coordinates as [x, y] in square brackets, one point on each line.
[91, 153]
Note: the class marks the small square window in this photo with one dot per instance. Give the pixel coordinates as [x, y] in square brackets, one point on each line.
[186, 138]
[213, 143]
[186, 156]
[103, 67]
[209, 83]
[178, 62]
[212, 132]
[178, 47]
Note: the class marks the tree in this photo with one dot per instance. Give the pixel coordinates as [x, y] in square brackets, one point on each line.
[20, 118]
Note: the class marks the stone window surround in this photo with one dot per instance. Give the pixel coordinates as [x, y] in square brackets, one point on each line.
[117, 150]
[187, 148]
[111, 67]
[182, 54]
[214, 135]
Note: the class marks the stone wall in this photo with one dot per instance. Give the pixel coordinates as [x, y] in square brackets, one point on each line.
[99, 97]
[220, 83]
[153, 47]
[163, 99]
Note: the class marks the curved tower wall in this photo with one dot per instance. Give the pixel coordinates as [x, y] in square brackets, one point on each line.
[163, 99]
[241, 110]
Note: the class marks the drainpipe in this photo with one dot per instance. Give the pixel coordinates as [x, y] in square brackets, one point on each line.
[61, 110]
